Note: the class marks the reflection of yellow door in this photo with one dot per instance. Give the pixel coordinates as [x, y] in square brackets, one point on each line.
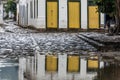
[93, 64]
[93, 17]
[51, 63]
[73, 63]
[74, 14]
[52, 15]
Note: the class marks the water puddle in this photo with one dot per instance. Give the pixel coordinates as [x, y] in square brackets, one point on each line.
[59, 67]
[68, 67]
[8, 69]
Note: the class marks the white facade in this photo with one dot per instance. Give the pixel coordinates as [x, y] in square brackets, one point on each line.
[63, 14]
[84, 14]
[33, 12]
[23, 16]
[1, 13]
[102, 18]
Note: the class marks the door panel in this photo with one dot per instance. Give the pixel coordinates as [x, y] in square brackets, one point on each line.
[52, 14]
[51, 63]
[73, 60]
[74, 14]
[93, 64]
[93, 17]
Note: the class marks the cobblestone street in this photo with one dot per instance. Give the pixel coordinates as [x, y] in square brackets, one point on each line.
[16, 41]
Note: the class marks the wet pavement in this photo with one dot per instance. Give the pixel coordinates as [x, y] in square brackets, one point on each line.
[16, 41]
[58, 53]
[85, 68]
[102, 41]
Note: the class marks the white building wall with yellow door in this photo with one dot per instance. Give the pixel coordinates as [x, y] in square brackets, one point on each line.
[40, 21]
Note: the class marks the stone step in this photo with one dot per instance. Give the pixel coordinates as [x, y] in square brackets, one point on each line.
[94, 43]
[109, 43]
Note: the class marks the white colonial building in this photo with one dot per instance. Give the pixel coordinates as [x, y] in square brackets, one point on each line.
[60, 14]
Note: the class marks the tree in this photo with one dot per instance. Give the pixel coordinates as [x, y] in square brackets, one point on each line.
[11, 7]
[112, 8]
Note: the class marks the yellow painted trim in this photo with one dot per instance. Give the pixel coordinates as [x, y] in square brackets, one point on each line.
[51, 63]
[52, 14]
[74, 14]
[93, 17]
[73, 63]
[93, 64]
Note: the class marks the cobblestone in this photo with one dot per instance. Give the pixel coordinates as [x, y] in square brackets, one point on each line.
[20, 42]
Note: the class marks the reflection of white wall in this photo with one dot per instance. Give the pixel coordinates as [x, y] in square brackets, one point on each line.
[62, 69]
[101, 65]
[40, 66]
[32, 68]
[83, 67]
[62, 66]
[83, 75]
[28, 65]
[22, 68]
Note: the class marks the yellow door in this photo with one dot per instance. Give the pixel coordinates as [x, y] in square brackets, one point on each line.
[93, 17]
[74, 15]
[52, 14]
[51, 63]
[93, 64]
[73, 63]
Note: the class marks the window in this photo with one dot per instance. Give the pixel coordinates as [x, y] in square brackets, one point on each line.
[35, 8]
[31, 9]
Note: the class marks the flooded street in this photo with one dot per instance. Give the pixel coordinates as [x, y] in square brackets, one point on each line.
[8, 70]
[67, 67]
[52, 56]
[59, 67]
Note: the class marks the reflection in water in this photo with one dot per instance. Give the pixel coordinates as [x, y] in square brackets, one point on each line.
[8, 70]
[110, 71]
[66, 67]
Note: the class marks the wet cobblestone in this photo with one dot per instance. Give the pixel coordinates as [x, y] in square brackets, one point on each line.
[21, 42]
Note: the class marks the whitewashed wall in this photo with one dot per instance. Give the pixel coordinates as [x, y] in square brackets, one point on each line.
[102, 18]
[40, 21]
[84, 14]
[30, 20]
[1, 13]
[22, 12]
[41, 14]
[62, 13]
[17, 18]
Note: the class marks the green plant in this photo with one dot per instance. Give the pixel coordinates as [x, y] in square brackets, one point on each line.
[10, 6]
